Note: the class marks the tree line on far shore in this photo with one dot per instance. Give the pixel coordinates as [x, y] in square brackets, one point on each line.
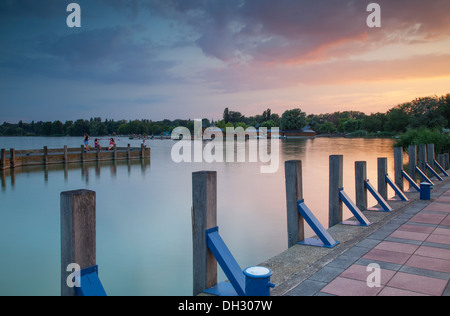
[431, 113]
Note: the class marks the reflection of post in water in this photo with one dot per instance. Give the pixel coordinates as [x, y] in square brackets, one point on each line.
[3, 180]
[3, 159]
[144, 164]
[114, 168]
[46, 173]
[66, 171]
[85, 172]
[97, 169]
[83, 166]
[13, 178]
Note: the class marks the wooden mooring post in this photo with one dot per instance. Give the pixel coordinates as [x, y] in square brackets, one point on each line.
[294, 193]
[398, 167]
[45, 155]
[360, 185]
[412, 164]
[3, 159]
[78, 233]
[382, 172]
[12, 158]
[335, 215]
[204, 217]
[431, 155]
[423, 158]
[66, 159]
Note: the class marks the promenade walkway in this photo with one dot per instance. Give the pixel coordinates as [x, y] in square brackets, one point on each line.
[412, 250]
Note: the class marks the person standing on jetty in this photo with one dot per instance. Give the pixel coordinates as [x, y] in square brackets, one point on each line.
[86, 141]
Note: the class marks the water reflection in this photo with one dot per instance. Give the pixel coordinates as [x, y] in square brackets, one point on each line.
[86, 169]
[144, 237]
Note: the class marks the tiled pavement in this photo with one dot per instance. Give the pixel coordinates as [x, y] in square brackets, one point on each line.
[413, 252]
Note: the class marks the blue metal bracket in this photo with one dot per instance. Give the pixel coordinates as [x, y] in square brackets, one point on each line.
[228, 264]
[325, 238]
[411, 181]
[424, 176]
[362, 220]
[397, 190]
[434, 172]
[441, 169]
[384, 205]
[90, 284]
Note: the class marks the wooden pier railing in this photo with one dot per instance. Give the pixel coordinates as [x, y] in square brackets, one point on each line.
[17, 158]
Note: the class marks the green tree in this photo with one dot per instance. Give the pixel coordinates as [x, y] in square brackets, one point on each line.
[293, 120]
[444, 108]
[97, 128]
[373, 123]
[80, 127]
[46, 129]
[57, 128]
[226, 115]
[424, 112]
[397, 120]
[424, 135]
[351, 125]
[268, 124]
[327, 128]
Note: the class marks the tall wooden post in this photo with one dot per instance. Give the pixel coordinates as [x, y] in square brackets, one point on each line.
[3, 159]
[45, 155]
[294, 193]
[431, 155]
[128, 151]
[398, 165]
[335, 215]
[412, 152]
[423, 158]
[360, 184]
[382, 172]
[66, 159]
[12, 158]
[204, 217]
[98, 153]
[440, 160]
[78, 233]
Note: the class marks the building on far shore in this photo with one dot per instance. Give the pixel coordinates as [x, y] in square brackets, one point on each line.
[306, 132]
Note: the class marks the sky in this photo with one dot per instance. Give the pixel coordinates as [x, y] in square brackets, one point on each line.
[188, 59]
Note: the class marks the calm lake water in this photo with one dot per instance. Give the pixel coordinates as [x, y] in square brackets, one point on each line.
[144, 234]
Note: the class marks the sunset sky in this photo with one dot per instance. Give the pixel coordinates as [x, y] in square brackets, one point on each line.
[158, 59]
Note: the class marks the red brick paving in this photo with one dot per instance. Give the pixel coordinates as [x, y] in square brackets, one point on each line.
[429, 257]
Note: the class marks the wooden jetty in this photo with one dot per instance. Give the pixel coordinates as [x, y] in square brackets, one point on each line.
[12, 158]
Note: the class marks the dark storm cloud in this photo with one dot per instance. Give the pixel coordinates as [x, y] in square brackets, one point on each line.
[107, 55]
[300, 30]
[32, 8]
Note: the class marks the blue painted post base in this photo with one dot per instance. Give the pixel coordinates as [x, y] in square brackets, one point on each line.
[317, 243]
[354, 223]
[362, 220]
[400, 196]
[90, 283]
[241, 283]
[325, 238]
